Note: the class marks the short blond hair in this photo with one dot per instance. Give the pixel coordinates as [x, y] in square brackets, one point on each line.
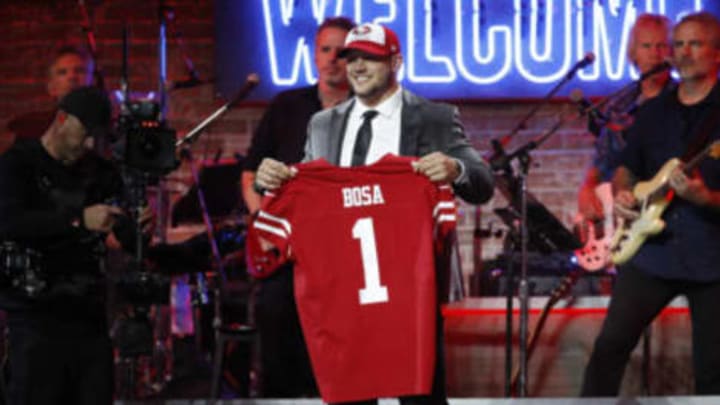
[645, 20]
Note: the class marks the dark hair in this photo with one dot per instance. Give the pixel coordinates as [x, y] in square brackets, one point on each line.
[708, 21]
[342, 23]
[90, 106]
[69, 50]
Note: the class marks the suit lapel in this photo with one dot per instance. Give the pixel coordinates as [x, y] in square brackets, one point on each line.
[410, 125]
[338, 123]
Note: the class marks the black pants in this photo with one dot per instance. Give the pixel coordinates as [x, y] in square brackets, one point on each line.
[636, 300]
[49, 366]
[286, 370]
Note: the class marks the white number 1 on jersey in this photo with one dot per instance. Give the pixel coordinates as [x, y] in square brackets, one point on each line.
[373, 292]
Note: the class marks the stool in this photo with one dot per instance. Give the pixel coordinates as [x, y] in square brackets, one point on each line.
[230, 333]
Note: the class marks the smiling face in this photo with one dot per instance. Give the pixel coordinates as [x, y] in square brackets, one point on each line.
[372, 78]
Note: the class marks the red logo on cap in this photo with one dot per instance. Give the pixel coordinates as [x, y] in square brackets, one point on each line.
[361, 30]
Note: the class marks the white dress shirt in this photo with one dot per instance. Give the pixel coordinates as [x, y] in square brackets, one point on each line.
[385, 129]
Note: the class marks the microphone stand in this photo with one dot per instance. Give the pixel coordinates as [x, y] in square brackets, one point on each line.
[522, 154]
[92, 45]
[194, 133]
[501, 162]
[200, 294]
[193, 76]
[625, 91]
[609, 102]
[202, 297]
[185, 153]
[522, 124]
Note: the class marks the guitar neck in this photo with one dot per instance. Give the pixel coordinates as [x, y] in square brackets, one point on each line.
[692, 163]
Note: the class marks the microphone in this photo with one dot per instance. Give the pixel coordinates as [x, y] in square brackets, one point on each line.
[251, 81]
[192, 81]
[586, 107]
[588, 59]
[660, 67]
[499, 159]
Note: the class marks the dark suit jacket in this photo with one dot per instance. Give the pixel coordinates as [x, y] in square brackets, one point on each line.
[426, 127]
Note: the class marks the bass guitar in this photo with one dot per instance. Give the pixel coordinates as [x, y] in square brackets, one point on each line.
[596, 236]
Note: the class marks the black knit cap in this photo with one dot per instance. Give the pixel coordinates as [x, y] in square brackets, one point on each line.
[91, 106]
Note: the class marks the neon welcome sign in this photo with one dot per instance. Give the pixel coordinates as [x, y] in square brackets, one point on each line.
[453, 49]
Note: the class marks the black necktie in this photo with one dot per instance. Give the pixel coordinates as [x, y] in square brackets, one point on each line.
[362, 141]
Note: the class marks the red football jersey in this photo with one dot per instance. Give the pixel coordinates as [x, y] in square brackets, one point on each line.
[362, 242]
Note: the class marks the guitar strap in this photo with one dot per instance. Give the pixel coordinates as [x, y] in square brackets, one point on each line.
[703, 132]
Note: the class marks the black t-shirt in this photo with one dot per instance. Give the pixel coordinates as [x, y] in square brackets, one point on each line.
[41, 205]
[688, 247]
[282, 131]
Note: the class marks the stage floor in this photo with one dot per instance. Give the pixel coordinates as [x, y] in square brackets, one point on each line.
[674, 400]
[475, 349]
[475, 357]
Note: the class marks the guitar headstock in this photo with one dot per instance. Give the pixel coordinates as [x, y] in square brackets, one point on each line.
[565, 285]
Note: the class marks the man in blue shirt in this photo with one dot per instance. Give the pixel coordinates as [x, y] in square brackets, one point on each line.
[648, 47]
[684, 259]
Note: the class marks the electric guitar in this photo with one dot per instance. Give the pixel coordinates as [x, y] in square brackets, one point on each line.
[596, 235]
[653, 196]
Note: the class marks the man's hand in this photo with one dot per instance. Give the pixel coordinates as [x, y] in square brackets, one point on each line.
[101, 217]
[272, 174]
[626, 205]
[252, 199]
[589, 205]
[438, 167]
[691, 189]
[147, 219]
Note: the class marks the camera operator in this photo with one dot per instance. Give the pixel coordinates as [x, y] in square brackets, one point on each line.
[69, 68]
[54, 194]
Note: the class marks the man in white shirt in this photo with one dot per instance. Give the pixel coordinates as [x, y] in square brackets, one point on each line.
[406, 124]
[383, 118]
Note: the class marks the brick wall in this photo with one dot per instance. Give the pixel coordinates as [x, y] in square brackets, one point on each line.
[31, 29]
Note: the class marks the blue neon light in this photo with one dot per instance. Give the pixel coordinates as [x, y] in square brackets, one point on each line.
[453, 49]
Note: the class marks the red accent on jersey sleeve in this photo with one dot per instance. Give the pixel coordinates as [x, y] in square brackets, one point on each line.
[268, 237]
[445, 211]
[365, 281]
